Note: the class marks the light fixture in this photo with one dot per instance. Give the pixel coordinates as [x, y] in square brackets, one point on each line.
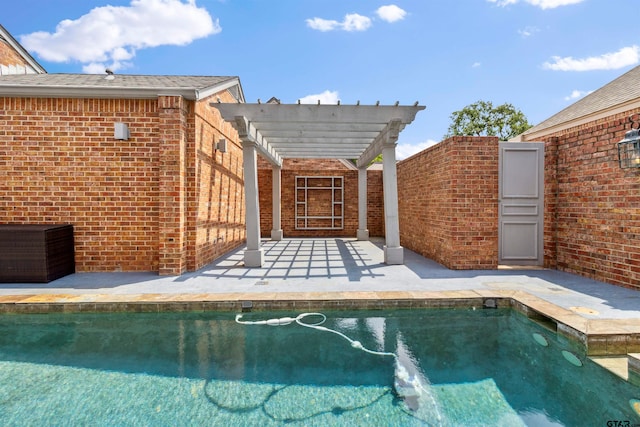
[221, 145]
[121, 131]
[629, 150]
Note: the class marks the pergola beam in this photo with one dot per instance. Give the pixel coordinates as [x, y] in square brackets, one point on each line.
[311, 113]
[319, 126]
[248, 133]
[389, 133]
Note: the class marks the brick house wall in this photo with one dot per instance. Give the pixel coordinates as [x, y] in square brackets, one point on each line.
[319, 167]
[9, 57]
[156, 202]
[448, 202]
[592, 206]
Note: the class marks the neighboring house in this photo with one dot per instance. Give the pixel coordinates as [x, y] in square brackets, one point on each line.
[592, 205]
[14, 59]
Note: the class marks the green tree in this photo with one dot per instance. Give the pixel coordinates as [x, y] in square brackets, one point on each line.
[483, 119]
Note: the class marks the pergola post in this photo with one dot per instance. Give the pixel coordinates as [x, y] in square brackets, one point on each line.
[276, 231]
[253, 255]
[363, 232]
[393, 252]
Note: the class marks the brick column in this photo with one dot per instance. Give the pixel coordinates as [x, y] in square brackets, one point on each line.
[551, 202]
[172, 189]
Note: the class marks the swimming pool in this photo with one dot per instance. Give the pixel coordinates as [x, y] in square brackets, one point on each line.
[477, 367]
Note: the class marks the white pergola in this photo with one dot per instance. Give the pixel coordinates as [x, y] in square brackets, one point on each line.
[279, 131]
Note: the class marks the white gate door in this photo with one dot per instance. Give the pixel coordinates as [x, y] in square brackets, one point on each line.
[521, 203]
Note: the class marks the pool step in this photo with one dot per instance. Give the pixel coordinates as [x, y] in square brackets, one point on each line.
[626, 367]
[618, 365]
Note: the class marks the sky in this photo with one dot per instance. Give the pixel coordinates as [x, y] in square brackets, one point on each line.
[538, 55]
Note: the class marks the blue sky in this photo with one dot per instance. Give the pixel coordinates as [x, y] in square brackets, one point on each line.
[539, 55]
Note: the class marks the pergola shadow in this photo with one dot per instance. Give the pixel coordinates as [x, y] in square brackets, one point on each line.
[301, 259]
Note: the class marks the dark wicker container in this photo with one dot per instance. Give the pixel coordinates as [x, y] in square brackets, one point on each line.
[35, 252]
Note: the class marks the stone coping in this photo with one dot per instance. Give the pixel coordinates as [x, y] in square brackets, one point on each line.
[598, 337]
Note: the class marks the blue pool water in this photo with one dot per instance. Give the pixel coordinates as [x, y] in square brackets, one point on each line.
[477, 368]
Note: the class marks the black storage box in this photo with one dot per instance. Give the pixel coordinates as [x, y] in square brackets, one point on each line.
[35, 252]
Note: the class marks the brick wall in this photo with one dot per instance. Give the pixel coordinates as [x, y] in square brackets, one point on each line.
[59, 163]
[592, 207]
[319, 167]
[8, 56]
[375, 204]
[156, 202]
[448, 202]
[216, 198]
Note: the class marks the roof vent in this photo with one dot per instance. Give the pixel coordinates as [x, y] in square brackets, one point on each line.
[110, 75]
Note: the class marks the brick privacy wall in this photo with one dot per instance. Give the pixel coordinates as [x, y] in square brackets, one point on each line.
[592, 206]
[319, 167]
[375, 204]
[448, 202]
[59, 163]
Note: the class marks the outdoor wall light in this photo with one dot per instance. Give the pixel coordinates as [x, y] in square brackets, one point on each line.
[629, 150]
[220, 146]
[120, 131]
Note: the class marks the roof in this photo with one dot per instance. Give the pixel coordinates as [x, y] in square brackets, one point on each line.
[313, 131]
[8, 38]
[117, 85]
[616, 96]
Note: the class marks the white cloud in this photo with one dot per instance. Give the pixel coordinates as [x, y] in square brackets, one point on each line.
[476, 65]
[542, 4]
[322, 24]
[503, 3]
[552, 4]
[351, 22]
[609, 61]
[391, 13]
[407, 150]
[326, 97]
[355, 22]
[528, 31]
[577, 94]
[111, 35]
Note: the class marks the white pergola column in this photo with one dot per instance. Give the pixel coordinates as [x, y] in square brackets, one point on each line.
[363, 232]
[253, 255]
[276, 231]
[393, 252]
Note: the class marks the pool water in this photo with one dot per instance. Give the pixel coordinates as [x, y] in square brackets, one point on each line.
[476, 367]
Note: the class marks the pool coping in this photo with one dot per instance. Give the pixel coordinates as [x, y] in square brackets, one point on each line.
[598, 337]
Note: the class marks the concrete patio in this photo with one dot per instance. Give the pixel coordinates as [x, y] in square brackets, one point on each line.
[339, 266]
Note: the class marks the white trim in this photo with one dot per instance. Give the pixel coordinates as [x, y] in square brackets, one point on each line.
[34, 90]
[618, 109]
[37, 68]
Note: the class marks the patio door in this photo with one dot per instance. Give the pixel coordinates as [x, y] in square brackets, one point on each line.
[521, 203]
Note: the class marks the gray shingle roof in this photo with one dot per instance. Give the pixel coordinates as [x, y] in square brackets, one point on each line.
[192, 87]
[622, 90]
